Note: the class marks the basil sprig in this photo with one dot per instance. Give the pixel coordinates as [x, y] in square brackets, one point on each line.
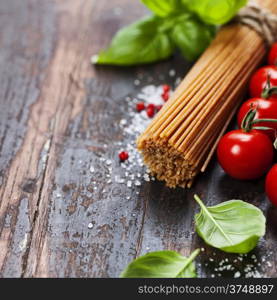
[233, 226]
[162, 264]
[189, 25]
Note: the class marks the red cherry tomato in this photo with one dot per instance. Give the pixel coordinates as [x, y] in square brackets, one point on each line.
[272, 57]
[271, 185]
[245, 155]
[259, 80]
[266, 109]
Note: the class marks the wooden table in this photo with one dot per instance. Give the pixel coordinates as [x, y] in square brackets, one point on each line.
[59, 116]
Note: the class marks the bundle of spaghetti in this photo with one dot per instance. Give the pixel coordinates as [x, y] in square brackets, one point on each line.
[181, 139]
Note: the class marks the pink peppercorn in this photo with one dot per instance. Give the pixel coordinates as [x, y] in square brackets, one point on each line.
[140, 106]
[151, 106]
[165, 96]
[150, 111]
[166, 88]
[159, 107]
[123, 156]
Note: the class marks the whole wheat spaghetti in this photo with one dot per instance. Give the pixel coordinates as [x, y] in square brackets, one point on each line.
[182, 138]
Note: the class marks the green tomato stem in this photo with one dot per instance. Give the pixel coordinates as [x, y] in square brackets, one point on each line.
[267, 92]
[262, 128]
[246, 124]
[264, 120]
[269, 89]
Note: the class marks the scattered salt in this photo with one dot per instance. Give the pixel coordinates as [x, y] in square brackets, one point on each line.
[237, 274]
[129, 183]
[146, 177]
[118, 179]
[172, 73]
[123, 122]
[137, 183]
[108, 162]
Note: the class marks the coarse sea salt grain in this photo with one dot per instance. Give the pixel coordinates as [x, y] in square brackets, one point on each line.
[129, 183]
[146, 177]
[237, 274]
[172, 73]
[108, 162]
[137, 183]
[136, 82]
[247, 266]
[123, 122]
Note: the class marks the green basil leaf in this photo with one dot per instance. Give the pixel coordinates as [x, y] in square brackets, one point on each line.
[192, 37]
[162, 264]
[140, 43]
[188, 272]
[163, 8]
[215, 11]
[233, 226]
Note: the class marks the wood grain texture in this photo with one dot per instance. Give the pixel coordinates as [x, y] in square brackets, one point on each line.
[59, 116]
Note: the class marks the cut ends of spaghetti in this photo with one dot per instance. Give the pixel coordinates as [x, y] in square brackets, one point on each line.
[167, 163]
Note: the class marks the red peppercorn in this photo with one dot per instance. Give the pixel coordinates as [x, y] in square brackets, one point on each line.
[123, 155]
[159, 107]
[151, 106]
[150, 111]
[165, 96]
[140, 106]
[166, 88]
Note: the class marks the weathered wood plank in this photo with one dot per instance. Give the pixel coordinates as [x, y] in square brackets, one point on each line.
[26, 49]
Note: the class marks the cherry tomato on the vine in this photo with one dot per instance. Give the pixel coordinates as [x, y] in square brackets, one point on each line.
[271, 185]
[245, 155]
[266, 109]
[272, 57]
[259, 80]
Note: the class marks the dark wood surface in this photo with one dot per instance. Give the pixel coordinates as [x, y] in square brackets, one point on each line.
[59, 115]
